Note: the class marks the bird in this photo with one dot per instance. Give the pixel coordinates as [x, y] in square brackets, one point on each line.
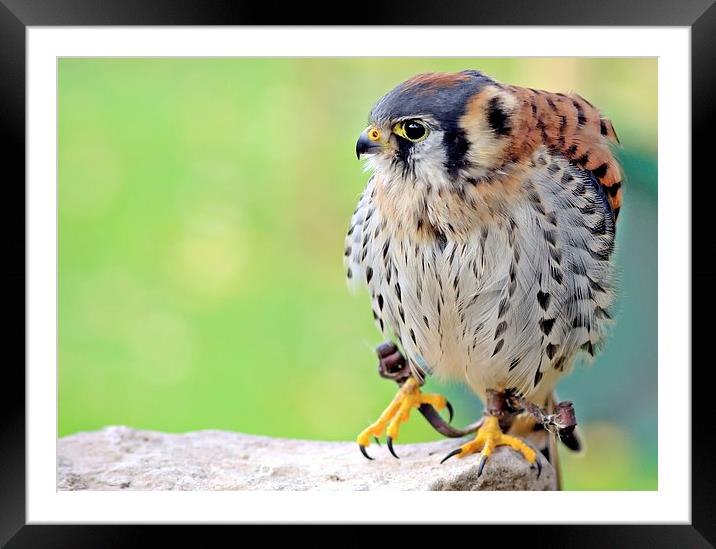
[485, 237]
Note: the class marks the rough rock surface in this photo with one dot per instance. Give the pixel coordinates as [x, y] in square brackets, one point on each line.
[120, 458]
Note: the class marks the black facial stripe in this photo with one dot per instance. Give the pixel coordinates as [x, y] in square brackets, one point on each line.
[497, 118]
[403, 160]
[405, 148]
[456, 147]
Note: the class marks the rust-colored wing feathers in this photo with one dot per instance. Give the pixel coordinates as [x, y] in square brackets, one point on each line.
[571, 125]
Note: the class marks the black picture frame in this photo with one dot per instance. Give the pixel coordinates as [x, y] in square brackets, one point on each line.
[17, 15]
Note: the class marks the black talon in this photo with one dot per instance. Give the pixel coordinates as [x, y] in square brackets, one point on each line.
[362, 451]
[389, 441]
[377, 440]
[483, 461]
[449, 407]
[539, 467]
[451, 454]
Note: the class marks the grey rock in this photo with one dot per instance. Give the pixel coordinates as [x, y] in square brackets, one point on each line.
[120, 458]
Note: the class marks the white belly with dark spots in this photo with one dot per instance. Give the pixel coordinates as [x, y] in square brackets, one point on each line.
[510, 306]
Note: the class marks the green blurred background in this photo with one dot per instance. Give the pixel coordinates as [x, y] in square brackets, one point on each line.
[202, 209]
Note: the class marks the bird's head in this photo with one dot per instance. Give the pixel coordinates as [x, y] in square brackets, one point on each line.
[437, 127]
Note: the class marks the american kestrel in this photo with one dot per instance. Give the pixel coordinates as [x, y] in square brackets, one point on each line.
[485, 237]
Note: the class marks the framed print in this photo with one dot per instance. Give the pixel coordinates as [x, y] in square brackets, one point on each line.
[519, 224]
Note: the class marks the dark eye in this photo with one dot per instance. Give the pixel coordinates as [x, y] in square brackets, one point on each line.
[412, 130]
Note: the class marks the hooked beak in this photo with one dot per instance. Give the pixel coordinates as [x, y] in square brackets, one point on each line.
[369, 142]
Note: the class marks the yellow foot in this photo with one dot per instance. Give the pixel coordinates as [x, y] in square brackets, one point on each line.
[408, 397]
[488, 437]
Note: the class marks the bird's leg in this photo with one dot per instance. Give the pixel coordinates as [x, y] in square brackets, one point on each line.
[408, 397]
[563, 421]
[392, 363]
[394, 366]
[490, 435]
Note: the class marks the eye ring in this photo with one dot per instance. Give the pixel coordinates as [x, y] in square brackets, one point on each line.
[413, 130]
